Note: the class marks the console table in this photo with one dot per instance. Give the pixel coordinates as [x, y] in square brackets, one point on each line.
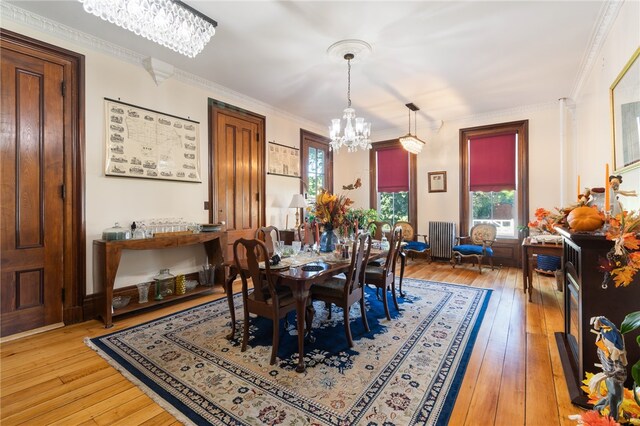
[585, 298]
[530, 249]
[107, 254]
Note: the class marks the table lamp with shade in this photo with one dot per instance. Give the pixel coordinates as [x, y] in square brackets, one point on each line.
[297, 202]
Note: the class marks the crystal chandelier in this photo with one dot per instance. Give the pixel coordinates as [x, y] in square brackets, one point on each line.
[170, 23]
[411, 142]
[353, 137]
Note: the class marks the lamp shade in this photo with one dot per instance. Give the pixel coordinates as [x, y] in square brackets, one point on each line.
[412, 143]
[297, 202]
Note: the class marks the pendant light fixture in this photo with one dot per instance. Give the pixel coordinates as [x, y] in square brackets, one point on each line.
[170, 23]
[354, 135]
[411, 142]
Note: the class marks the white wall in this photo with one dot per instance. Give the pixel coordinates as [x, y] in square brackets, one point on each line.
[115, 199]
[592, 145]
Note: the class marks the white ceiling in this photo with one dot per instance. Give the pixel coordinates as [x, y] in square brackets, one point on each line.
[452, 59]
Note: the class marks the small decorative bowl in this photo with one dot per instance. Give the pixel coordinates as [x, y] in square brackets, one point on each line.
[120, 301]
[190, 284]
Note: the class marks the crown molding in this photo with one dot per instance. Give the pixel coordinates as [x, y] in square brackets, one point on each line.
[603, 25]
[49, 26]
[21, 16]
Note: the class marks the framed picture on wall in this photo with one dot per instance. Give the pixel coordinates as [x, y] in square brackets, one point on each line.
[438, 181]
[625, 116]
[283, 160]
[144, 143]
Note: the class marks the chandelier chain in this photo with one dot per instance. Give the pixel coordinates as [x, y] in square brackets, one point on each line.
[349, 82]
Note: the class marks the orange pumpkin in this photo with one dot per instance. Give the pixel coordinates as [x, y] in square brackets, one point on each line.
[584, 219]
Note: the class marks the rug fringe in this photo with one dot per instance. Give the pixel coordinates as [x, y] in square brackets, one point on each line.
[144, 388]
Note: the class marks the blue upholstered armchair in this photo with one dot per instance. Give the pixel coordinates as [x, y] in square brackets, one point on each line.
[477, 245]
[412, 246]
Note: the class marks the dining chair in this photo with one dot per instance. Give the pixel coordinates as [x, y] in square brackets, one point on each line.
[478, 245]
[344, 292]
[306, 234]
[267, 300]
[270, 235]
[378, 228]
[412, 247]
[383, 277]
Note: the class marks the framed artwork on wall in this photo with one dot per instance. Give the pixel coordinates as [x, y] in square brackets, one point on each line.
[438, 181]
[149, 144]
[625, 116]
[283, 160]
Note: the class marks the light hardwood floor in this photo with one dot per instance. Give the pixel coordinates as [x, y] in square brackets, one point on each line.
[514, 376]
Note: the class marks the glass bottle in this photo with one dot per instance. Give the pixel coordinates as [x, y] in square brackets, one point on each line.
[165, 284]
[384, 243]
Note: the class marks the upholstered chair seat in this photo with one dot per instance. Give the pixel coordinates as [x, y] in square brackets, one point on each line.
[476, 246]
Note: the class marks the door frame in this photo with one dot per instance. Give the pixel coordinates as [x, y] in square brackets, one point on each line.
[216, 106]
[310, 139]
[74, 234]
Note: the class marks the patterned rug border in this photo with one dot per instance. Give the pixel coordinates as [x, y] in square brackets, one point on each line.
[186, 415]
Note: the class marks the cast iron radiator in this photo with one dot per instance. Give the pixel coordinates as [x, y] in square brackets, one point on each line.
[442, 236]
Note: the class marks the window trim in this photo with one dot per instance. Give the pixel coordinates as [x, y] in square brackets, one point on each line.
[522, 180]
[313, 140]
[413, 178]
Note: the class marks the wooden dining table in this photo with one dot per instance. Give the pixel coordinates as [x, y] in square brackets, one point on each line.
[299, 281]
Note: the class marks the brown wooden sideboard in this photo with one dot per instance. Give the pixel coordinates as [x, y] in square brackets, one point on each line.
[584, 298]
[107, 255]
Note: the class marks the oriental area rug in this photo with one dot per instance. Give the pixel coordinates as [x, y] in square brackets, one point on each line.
[403, 372]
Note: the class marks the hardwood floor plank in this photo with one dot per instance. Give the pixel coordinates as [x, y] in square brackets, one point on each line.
[511, 399]
[24, 399]
[162, 419]
[33, 377]
[109, 410]
[484, 401]
[554, 321]
[461, 409]
[540, 382]
[72, 401]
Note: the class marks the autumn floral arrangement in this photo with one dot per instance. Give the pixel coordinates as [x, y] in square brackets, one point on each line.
[546, 221]
[623, 260]
[330, 209]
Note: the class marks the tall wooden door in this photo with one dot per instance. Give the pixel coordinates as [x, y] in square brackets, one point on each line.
[237, 172]
[31, 198]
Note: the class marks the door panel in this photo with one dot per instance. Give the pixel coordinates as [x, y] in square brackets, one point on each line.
[32, 148]
[238, 174]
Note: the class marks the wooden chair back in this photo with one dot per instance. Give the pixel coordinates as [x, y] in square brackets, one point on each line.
[379, 228]
[254, 251]
[306, 234]
[270, 235]
[394, 249]
[359, 258]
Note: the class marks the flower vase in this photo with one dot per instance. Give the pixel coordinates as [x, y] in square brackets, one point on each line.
[328, 239]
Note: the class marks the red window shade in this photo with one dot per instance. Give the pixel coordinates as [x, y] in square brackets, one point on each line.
[492, 163]
[393, 170]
